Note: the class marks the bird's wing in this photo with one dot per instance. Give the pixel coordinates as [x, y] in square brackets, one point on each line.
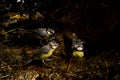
[43, 50]
[41, 31]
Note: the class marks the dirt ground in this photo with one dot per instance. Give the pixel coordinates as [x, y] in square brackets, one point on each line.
[103, 66]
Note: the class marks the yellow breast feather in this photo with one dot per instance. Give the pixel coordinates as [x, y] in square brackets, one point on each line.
[79, 54]
[44, 56]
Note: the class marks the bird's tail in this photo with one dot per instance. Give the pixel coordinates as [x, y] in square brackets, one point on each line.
[28, 62]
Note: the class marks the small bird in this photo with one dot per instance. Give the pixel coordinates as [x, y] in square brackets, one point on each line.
[44, 34]
[78, 50]
[77, 47]
[45, 52]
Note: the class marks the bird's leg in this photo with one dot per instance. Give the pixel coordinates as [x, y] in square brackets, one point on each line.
[48, 59]
[41, 42]
[46, 39]
[46, 63]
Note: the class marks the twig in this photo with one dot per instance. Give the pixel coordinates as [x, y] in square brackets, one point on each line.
[68, 66]
[107, 70]
[5, 76]
[5, 33]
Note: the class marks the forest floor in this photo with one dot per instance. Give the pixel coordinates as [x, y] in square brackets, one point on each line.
[103, 66]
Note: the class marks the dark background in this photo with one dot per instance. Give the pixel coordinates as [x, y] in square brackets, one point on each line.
[95, 21]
